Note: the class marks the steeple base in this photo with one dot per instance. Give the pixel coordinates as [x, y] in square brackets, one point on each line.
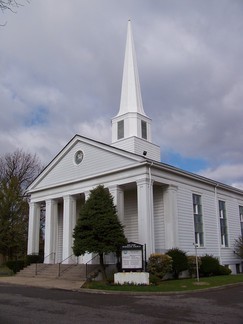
[139, 146]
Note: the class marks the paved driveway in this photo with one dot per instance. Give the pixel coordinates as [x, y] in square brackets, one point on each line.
[23, 304]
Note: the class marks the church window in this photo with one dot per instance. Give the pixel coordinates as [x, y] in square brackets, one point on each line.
[223, 223]
[241, 219]
[78, 157]
[198, 219]
[144, 129]
[120, 129]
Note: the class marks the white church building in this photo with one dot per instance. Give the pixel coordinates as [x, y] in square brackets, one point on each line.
[159, 205]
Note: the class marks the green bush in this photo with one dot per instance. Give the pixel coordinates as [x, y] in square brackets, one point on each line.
[159, 264]
[16, 265]
[179, 261]
[210, 266]
[5, 271]
[154, 280]
[192, 265]
[224, 271]
[33, 258]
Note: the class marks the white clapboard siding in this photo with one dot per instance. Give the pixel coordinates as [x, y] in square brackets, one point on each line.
[159, 226]
[185, 219]
[233, 220]
[66, 170]
[131, 215]
[233, 228]
[210, 225]
[138, 146]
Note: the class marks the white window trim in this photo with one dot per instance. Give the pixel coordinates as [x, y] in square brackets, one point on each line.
[196, 209]
[223, 239]
[198, 242]
[196, 212]
[241, 218]
[221, 214]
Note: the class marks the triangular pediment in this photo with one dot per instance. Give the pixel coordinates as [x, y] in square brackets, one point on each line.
[80, 159]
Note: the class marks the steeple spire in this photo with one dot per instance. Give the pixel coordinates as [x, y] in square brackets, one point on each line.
[131, 99]
[131, 128]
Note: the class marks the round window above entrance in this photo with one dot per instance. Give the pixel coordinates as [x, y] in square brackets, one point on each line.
[78, 157]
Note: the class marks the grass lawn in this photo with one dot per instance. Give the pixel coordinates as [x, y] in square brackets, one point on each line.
[171, 285]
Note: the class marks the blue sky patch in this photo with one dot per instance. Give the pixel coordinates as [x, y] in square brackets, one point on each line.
[189, 164]
[39, 116]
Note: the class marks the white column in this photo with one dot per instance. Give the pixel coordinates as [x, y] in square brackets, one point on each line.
[34, 228]
[50, 231]
[145, 214]
[118, 199]
[86, 195]
[171, 217]
[69, 222]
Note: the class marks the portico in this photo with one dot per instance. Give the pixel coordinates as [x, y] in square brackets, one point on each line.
[135, 211]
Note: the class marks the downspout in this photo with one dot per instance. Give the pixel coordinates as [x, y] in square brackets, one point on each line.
[217, 220]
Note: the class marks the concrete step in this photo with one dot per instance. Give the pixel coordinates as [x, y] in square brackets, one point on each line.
[74, 271]
[67, 271]
[28, 271]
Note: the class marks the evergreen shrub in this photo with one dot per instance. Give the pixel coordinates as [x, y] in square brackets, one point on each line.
[16, 265]
[210, 266]
[179, 261]
[154, 280]
[159, 265]
[224, 271]
[33, 258]
[192, 265]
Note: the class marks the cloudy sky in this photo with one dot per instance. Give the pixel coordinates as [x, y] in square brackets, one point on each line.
[61, 69]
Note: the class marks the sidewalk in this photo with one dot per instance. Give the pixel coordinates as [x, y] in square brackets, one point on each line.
[43, 282]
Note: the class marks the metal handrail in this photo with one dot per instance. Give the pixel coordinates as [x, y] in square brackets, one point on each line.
[59, 264]
[86, 265]
[36, 265]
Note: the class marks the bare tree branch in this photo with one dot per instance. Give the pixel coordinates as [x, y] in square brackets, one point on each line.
[239, 247]
[11, 5]
[21, 165]
[17, 171]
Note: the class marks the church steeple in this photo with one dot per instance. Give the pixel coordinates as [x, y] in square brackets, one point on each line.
[131, 128]
[131, 99]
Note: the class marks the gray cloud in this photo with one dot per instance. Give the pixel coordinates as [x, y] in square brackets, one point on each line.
[61, 68]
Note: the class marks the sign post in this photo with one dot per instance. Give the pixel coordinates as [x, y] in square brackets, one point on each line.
[132, 264]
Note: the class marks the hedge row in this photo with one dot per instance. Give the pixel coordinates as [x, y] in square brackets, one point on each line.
[17, 265]
[175, 261]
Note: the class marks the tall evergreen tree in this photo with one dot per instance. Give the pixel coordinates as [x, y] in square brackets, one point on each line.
[98, 229]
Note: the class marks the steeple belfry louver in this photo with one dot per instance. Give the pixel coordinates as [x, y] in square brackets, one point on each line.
[131, 128]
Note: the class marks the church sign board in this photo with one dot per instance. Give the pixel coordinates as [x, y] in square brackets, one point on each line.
[132, 257]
